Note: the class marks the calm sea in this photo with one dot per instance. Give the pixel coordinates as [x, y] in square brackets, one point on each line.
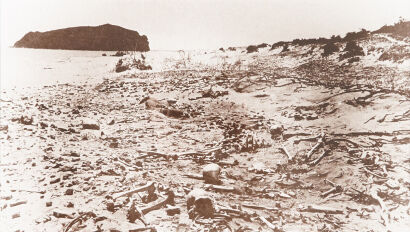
[24, 67]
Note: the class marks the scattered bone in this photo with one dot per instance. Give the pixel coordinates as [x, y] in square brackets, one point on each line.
[320, 209]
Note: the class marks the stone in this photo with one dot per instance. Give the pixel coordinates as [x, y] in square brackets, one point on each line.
[62, 215]
[55, 181]
[69, 192]
[90, 124]
[276, 131]
[199, 202]
[172, 210]
[26, 120]
[211, 172]
[18, 203]
[49, 203]
[70, 205]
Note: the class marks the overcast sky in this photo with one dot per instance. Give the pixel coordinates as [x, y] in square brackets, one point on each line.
[210, 24]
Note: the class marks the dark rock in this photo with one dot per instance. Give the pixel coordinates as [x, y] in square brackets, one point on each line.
[49, 203]
[251, 48]
[62, 215]
[26, 120]
[119, 53]
[69, 192]
[4, 127]
[55, 181]
[171, 211]
[90, 124]
[70, 205]
[104, 37]
[114, 145]
[43, 125]
[133, 213]
[276, 131]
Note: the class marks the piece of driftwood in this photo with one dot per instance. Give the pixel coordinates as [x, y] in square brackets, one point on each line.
[372, 173]
[197, 153]
[320, 209]
[18, 203]
[283, 148]
[270, 225]
[148, 187]
[229, 210]
[259, 207]
[194, 176]
[159, 204]
[77, 219]
[318, 144]
[220, 188]
[335, 189]
[153, 153]
[347, 141]
[316, 161]
[143, 229]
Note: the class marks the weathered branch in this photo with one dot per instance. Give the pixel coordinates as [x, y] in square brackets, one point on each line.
[148, 187]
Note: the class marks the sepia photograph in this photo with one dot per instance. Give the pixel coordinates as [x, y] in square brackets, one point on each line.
[204, 115]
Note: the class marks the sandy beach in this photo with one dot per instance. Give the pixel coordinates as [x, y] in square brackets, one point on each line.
[303, 144]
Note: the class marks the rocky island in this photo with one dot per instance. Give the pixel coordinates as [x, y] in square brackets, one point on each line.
[105, 37]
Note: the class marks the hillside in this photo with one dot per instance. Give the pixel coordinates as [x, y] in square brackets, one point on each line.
[100, 38]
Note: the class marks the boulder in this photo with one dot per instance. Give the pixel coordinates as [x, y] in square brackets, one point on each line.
[211, 172]
[200, 203]
[276, 131]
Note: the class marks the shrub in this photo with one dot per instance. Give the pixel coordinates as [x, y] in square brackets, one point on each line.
[401, 28]
[351, 36]
[395, 56]
[285, 48]
[351, 50]
[353, 59]
[232, 49]
[119, 53]
[329, 49]
[121, 67]
[251, 48]
[222, 49]
[263, 45]
[278, 44]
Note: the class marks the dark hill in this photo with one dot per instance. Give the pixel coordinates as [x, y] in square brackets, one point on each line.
[105, 37]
